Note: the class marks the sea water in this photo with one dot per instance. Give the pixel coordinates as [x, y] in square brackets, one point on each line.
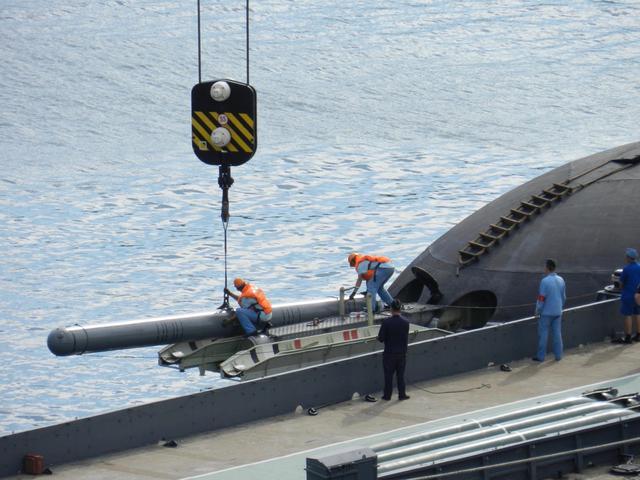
[380, 125]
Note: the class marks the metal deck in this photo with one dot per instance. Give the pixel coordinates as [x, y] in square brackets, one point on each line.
[277, 448]
[291, 467]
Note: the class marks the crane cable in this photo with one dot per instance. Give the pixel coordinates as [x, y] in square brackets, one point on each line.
[246, 42]
[224, 182]
[224, 174]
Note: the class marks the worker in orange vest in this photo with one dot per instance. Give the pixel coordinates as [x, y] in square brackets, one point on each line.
[254, 312]
[376, 271]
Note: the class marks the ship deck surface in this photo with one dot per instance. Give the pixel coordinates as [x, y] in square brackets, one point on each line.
[276, 448]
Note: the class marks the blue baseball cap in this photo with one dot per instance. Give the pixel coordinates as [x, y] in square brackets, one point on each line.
[632, 253]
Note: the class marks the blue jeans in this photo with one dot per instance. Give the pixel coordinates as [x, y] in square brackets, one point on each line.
[248, 320]
[544, 322]
[375, 286]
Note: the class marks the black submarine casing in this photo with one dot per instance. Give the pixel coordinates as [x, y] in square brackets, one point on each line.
[586, 232]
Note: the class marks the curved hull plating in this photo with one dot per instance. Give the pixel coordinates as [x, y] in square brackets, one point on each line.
[585, 229]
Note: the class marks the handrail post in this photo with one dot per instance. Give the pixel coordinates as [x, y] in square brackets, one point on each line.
[341, 308]
[369, 309]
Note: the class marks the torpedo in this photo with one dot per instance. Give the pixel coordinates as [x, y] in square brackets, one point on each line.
[78, 339]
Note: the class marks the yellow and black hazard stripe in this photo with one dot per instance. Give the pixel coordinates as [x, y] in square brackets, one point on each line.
[240, 126]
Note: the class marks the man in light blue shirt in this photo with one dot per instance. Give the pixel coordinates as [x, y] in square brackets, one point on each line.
[550, 302]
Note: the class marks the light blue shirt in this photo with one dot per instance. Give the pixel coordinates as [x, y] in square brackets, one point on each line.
[551, 296]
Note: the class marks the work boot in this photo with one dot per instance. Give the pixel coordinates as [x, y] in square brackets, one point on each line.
[636, 337]
[627, 339]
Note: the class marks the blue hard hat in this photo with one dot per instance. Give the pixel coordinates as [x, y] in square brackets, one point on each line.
[632, 253]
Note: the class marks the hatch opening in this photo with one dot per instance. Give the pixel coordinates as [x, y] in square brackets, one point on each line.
[471, 310]
[413, 290]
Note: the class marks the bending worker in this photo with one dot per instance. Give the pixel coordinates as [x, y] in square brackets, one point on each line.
[254, 311]
[376, 271]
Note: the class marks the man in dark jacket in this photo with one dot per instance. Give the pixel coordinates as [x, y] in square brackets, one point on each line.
[394, 333]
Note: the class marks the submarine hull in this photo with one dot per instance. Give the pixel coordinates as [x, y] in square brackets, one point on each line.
[586, 224]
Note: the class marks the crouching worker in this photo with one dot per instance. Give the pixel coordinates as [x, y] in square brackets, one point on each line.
[376, 271]
[254, 312]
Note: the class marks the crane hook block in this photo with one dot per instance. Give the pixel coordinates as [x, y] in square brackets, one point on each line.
[223, 122]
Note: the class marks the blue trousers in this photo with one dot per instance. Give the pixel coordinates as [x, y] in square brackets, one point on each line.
[546, 322]
[248, 319]
[375, 286]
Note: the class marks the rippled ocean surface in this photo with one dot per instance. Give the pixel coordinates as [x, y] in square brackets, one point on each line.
[381, 124]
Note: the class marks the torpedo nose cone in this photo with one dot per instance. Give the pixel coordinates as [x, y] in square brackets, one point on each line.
[61, 342]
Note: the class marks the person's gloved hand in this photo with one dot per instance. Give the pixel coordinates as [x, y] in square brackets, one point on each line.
[226, 290]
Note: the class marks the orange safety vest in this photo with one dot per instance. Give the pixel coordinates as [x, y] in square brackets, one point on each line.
[258, 295]
[369, 258]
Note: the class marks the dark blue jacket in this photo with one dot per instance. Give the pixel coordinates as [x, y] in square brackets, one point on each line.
[394, 333]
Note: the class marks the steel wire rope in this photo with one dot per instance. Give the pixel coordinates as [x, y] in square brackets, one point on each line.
[464, 390]
[224, 179]
[199, 48]
[247, 36]
[145, 357]
[503, 307]
[86, 339]
[225, 224]
[200, 41]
